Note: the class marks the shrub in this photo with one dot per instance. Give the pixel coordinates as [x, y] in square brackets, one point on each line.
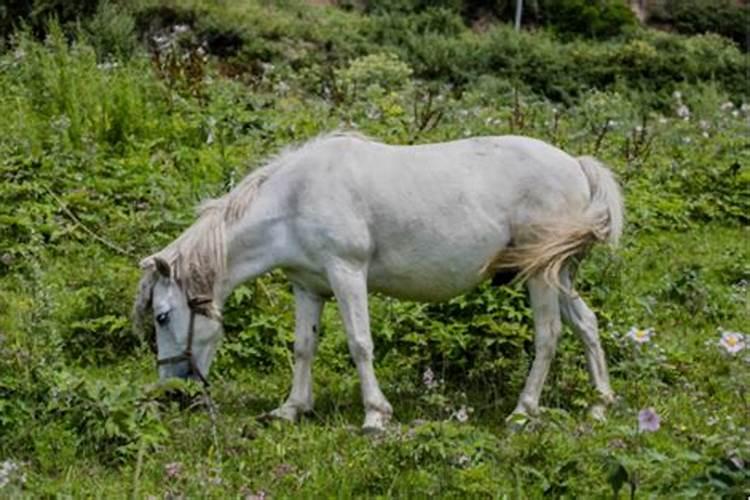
[597, 19]
[724, 17]
[376, 72]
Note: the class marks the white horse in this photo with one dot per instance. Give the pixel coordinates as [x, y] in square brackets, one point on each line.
[343, 215]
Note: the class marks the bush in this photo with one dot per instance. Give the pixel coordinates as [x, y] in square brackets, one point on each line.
[36, 14]
[597, 19]
[724, 17]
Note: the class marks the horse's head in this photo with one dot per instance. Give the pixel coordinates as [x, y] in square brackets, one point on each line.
[188, 329]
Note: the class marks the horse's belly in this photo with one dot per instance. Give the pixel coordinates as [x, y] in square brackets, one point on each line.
[431, 273]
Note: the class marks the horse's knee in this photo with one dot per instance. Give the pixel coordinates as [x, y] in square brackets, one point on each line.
[304, 348]
[360, 348]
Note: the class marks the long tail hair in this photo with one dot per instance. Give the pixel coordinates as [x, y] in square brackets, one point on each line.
[554, 244]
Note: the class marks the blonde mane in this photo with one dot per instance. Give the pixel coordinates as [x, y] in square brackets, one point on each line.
[198, 257]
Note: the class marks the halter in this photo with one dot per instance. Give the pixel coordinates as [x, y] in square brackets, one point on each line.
[187, 355]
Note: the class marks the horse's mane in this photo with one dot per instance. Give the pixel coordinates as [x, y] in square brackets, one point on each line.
[198, 256]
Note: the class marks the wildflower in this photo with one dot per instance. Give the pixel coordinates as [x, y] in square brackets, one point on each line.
[732, 342]
[745, 108]
[612, 124]
[663, 121]
[106, 66]
[282, 470]
[428, 378]
[648, 420]
[737, 461]
[727, 106]
[705, 135]
[181, 28]
[162, 41]
[463, 460]
[683, 112]
[677, 95]
[640, 336]
[704, 125]
[173, 469]
[8, 470]
[462, 415]
[638, 129]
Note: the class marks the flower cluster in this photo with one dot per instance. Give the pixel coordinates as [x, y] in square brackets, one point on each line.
[9, 471]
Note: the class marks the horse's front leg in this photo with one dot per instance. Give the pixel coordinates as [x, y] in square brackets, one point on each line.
[349, 285]
[308, 308]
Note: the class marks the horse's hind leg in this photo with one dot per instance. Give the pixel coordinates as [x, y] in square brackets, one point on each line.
[547, 327]
[308, 308]
[583, 320]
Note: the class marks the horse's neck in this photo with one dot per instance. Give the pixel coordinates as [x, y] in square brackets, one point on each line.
[250, 253]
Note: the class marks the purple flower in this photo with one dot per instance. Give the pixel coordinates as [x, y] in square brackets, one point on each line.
[640, 336]
[732, 342]
[648, 420]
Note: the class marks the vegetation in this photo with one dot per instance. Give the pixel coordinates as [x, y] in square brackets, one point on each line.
[114, 127]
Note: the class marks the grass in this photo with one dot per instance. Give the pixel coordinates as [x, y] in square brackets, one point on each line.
[682, 373]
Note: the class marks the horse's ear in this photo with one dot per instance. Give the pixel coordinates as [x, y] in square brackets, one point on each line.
[163, 267]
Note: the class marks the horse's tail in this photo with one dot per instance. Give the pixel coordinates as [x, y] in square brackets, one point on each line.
[606, 198]
[550, 245]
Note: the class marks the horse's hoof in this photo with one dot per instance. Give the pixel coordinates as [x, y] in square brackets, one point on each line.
[375, 422]
[598, 412]
[282, 414]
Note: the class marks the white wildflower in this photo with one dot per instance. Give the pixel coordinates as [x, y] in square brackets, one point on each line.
[462, 414]
[640, 335]
[428, 378]
[732, 342]
[683, 112]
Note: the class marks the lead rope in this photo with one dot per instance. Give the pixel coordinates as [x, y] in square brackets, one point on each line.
[208, 401]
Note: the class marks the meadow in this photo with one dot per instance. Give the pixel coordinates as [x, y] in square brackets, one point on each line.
[114, 128]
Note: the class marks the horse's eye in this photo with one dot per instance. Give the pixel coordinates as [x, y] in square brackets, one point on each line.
[162, 318]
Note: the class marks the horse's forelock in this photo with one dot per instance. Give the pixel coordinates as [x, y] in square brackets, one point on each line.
[142, 303]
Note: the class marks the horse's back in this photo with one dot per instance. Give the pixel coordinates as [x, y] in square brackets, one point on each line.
[425, 218]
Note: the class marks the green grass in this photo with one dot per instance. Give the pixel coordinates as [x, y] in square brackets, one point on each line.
[682, 373]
